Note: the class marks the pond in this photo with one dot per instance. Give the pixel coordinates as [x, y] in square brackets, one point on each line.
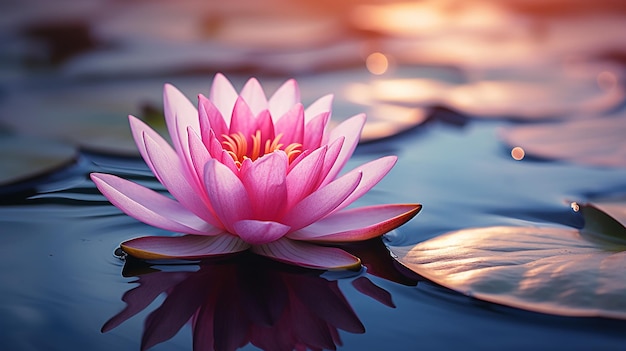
[66, 286]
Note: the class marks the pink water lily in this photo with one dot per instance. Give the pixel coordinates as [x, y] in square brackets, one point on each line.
[251, 173]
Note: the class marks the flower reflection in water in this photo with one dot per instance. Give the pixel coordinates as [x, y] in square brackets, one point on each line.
[245, 299]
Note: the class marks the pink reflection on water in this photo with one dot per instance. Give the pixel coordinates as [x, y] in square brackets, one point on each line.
[231, 304]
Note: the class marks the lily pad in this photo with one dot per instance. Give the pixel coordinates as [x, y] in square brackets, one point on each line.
[560, 271]
[25, 158]
[537, 94]
[592, 141]
[91, 117]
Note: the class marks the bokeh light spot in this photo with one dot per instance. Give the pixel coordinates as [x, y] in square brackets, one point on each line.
[377, 63]
[606, 80]
[517, 153]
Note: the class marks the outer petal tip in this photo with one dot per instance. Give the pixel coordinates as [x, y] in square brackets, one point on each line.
[182, 247]
[357, 224]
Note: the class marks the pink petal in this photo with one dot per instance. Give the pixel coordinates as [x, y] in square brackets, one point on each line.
[223, 96]
[314, 131]
[357, 224]
[321, 202]
[199, 157]
[304, 177]
[243, 119]
[254, 96]
[334, 149]
[213, 145]
[168, 168]
[138, 129]
[228, 161]
[284, 98]
[307, 255]
[351, 130]
[265, 182]
[291, 125]
[244, 167]
[183, 247]
[373, 172]
[297, 160]
[265, 125]
[321, 105]
[151, 207]
[211, 119]
[180, 113]
[260, 232]
[331, 155]
[227, 194]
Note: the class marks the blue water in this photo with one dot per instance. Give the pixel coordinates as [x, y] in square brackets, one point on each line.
[62, 281]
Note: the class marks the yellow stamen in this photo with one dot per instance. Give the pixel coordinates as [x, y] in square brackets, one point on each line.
[238, 147]
[256, 145]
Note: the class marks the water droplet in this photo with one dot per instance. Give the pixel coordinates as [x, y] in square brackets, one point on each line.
[119, 253]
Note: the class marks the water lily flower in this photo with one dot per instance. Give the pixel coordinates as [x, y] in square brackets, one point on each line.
[247, 172]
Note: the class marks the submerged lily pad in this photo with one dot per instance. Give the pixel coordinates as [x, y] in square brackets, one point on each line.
[595, 141]
[25, 158]
[551, 270]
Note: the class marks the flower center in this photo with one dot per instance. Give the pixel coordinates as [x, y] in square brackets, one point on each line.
[239, 148]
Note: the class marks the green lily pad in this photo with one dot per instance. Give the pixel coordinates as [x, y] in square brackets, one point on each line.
[560, 271]
[24, 158]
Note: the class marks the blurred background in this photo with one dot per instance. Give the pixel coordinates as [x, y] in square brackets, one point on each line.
[71, 71]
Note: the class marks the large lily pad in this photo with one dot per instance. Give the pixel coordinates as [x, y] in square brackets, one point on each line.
[91, 117]
[545, 92]
[559, 271]
[595, 141]
[24, 158]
